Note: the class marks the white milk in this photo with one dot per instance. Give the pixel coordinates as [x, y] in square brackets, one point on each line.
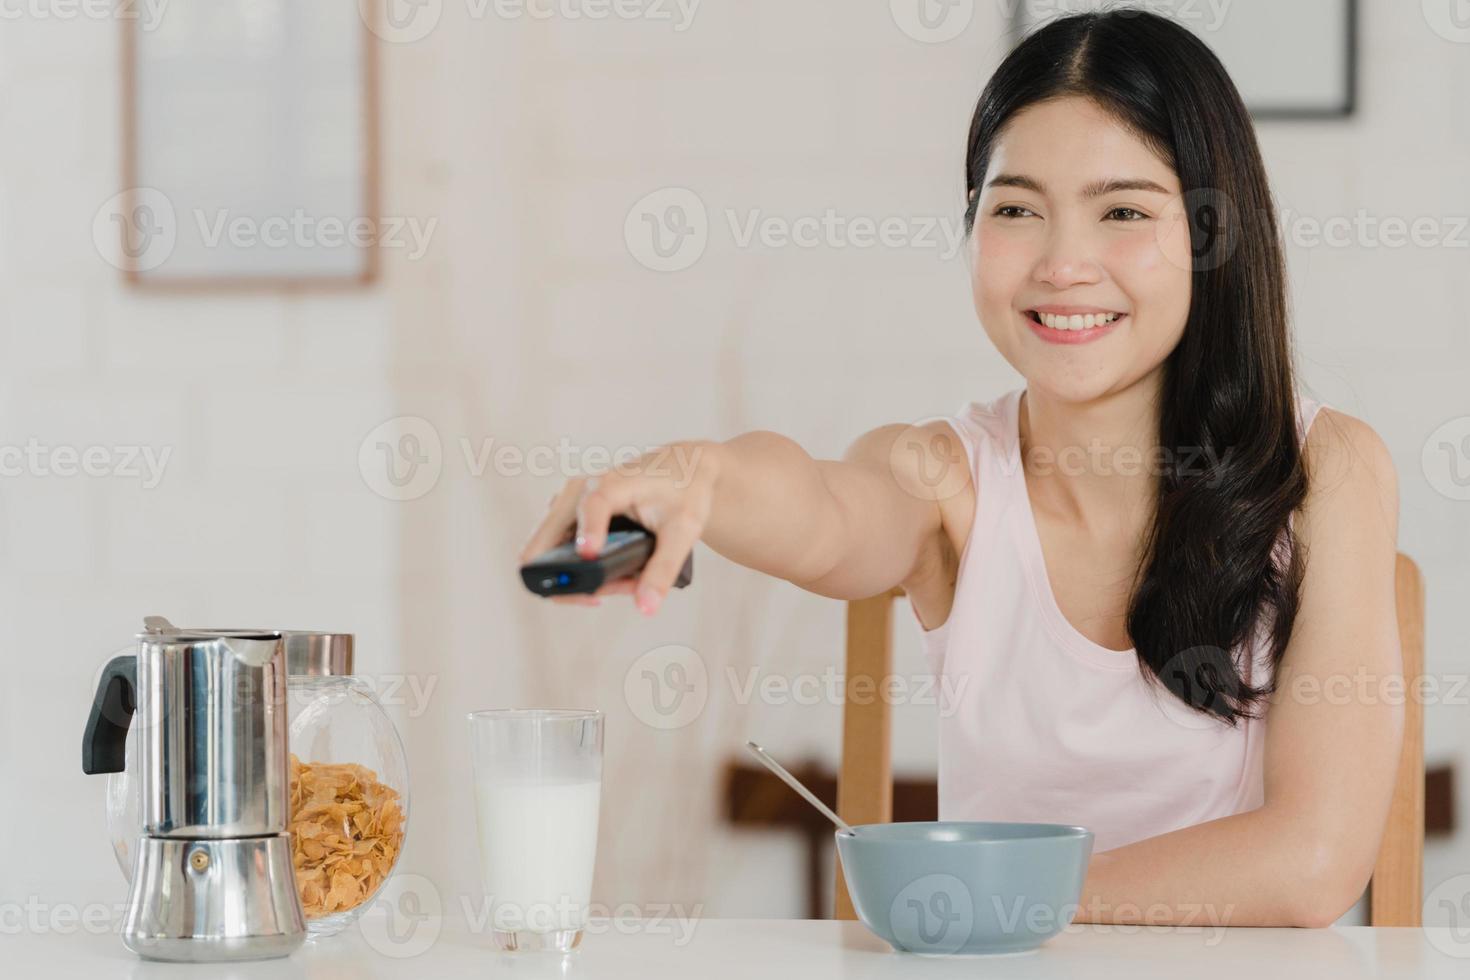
[538, 843]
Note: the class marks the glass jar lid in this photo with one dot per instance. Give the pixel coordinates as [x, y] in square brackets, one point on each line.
[318, 654]
[314, 653]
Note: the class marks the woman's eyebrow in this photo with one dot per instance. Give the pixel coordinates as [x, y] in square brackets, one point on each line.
[1016, 180]
[1114, 184]
[1097, 188]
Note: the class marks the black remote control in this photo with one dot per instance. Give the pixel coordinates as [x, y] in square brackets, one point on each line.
[561, 571]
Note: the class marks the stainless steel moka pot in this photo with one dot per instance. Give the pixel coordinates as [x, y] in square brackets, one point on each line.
[213, 878]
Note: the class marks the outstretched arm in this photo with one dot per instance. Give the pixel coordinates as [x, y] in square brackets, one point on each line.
[845, 528]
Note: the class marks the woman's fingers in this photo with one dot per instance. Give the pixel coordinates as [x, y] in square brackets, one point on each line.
[676, 537]
[587, 506]
[602, 497]
[620, 586]
[561, 513]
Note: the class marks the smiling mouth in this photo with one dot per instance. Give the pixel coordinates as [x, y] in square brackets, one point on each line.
[1074, 321]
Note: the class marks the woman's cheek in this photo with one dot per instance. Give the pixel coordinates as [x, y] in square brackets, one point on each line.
[999, 263]
[998, 267]
[1156, 282]
[1138, 252]
[1147, 266]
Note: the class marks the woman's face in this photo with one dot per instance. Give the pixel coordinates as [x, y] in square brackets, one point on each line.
[1080, 252]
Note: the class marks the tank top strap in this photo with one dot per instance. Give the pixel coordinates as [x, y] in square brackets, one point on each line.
[1307, 410]
[987, 430]
[982, 428]
[1306, 413]
[1259, 669]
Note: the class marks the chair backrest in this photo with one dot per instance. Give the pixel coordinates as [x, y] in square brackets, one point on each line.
[1397, 897]
[865, 781]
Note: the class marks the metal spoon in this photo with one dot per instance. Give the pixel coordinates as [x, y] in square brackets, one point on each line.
[795, 784]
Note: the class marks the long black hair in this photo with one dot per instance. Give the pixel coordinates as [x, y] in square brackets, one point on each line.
[1221, 566]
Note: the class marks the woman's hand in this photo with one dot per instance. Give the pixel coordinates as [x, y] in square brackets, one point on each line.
[668, 491]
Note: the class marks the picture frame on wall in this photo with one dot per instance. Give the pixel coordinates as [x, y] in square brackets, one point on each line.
[249, 148]
[1290, 60]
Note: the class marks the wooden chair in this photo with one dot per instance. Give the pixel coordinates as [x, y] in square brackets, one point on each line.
[865, 781]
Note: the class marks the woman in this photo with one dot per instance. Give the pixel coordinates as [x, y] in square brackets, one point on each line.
[1137, 557]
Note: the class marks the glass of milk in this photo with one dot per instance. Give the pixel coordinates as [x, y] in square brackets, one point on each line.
[538, 780]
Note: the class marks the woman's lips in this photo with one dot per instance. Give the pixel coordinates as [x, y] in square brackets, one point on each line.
[1064, 337]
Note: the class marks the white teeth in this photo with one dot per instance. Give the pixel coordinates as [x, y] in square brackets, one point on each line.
[1085, 321]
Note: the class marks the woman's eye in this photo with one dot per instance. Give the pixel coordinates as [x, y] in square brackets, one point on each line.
[1012, 211]
[1127, 214]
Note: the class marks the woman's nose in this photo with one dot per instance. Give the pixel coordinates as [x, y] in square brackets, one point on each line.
[1066, 262]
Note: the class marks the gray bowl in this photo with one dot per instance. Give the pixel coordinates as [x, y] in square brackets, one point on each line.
[950, 887]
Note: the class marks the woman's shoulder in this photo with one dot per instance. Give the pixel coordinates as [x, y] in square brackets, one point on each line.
[1350, 472]
[948, 444]
[1341, 445]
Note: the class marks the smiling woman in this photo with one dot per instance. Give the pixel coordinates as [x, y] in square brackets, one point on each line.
[1131, 556]
[1078, 181]
[1126, 262]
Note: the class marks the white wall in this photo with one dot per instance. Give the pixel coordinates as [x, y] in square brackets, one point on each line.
[529, 321]
[260, 400]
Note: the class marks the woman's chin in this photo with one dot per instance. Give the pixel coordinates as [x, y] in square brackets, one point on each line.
[1071, 387]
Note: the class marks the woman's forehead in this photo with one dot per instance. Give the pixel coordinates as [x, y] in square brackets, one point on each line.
[1070, 144]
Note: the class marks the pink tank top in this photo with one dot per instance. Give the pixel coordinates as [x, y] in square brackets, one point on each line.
[1042, 725]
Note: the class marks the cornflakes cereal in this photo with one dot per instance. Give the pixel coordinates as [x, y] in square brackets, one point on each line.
[346, 830]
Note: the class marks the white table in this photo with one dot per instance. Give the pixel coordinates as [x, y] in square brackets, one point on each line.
[765, 949]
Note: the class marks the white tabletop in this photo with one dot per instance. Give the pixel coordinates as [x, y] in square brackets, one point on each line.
[763, 949]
